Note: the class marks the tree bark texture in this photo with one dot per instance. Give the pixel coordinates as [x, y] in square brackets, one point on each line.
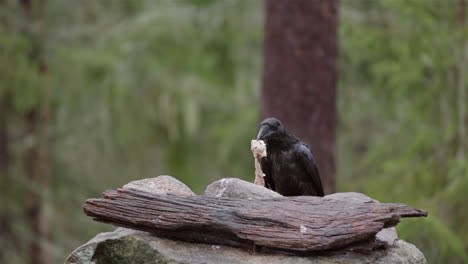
[37, 120]
[6, 217]
[4, 135]
[299, 81]
[461, 82]
[298, 224]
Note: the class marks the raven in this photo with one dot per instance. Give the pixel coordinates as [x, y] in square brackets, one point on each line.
[289, 166]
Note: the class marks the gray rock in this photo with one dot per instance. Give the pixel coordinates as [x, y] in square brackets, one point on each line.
[84, 253]
[163, 184]
[387, 235]
[237, 188]
[127, 246]
[351, 197]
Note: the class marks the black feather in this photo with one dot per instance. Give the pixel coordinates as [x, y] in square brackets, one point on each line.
[289, 167]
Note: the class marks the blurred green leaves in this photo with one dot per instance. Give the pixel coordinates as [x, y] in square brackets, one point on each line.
[400, 56]
[20, 78]
[139, 90]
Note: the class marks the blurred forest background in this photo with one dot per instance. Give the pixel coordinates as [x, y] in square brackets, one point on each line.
[94, 94]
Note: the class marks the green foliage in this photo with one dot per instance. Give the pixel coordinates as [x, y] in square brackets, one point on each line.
[398, 56]
[139, 90]
[20, 78]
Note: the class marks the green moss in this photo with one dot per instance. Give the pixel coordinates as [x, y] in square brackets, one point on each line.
[127, 251]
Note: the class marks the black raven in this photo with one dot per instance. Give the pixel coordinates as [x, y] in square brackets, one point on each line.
[289, 166]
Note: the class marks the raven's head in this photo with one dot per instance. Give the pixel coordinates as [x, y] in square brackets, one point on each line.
[270, 128]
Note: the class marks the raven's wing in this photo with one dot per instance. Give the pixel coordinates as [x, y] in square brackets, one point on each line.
[265, 163]
[307, 160]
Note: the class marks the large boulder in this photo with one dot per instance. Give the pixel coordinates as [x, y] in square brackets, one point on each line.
[130, 246]
[124, 246]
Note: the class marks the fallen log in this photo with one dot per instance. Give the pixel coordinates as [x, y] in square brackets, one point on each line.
[299, 224]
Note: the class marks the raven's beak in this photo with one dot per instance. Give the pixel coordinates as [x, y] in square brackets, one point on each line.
[263, 132]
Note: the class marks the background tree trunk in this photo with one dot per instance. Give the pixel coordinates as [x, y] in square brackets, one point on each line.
[6, 218]
[4, 135]
[36, 158]
[461, 83]
[33, 198]
[300, 75]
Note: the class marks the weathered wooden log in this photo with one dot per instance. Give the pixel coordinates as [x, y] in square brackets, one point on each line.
[299, 224]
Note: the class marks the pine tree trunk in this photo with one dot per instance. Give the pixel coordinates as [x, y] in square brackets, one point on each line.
[33, 198]
[461, 83]
[36, 159]
[4, 138]
[299, 83]
[6, 218]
